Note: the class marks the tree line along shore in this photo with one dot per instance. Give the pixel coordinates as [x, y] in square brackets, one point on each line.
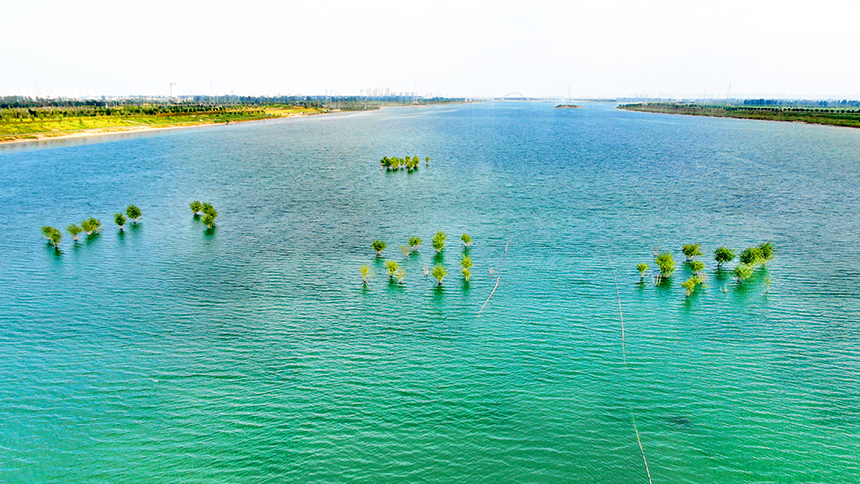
[25, 119]
[833, 116]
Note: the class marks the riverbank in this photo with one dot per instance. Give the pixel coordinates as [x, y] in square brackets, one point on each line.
[62, 126]
[826, 116]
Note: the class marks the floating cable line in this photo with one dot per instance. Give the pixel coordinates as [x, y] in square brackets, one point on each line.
[501, 266]
[624, 357]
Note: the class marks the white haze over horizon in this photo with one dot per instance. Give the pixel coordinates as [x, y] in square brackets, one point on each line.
[608, 48]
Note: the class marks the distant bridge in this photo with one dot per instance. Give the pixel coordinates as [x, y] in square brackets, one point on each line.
[517, 96]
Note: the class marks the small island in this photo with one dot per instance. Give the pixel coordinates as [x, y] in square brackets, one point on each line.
[569, 106]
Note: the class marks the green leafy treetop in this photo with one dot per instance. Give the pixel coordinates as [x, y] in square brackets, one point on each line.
[91, 225]
[439, 241]
[666, 263]
[426, 160]
[766, 252]
[391, 266]
[119, 219]
[723, 255]
[697, 267]
[691, 251]
[133, 213]
[439, 273]
[209, 220]
[466, 262]
[742, 272]
[208, 209]
[53, 235]
[75, 230]
[378, 246]
[642, 268]
[365, 273]
[414, 242]
[467, 240]
[690, 284]
[196, 207]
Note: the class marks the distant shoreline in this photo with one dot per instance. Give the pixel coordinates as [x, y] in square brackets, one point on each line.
[48, 136]
[849, 118]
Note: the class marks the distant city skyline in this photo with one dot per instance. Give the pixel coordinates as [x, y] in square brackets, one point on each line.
[610, 48]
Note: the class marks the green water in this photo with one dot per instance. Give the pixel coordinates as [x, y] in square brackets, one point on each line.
[255, 354]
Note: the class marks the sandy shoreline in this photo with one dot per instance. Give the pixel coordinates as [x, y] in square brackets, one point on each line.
[120, 130]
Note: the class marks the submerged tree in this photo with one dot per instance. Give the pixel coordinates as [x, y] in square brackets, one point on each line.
[642, 268]
[378, 246]
[742, 272]
[365, 273]
[91, 225]
[414, 242]
[208, 209]
[133, 213]
[723, 255]
[467, 240]
[439, 273]
[209, 220]
[666, 263]
[766, 250]
[426, 160]
[75, 231]
[53, 235]
[697, 267]
[439, 241]
[691, 251]
[466, 263]
[400, 274]
[392, 267]
[751, 256]
[196, 207]
[119, 219]
[690, 284]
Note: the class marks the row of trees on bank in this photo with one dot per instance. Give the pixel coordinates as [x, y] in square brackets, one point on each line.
[750, 259]
[398, 273]
[90, 226]
[409, 163]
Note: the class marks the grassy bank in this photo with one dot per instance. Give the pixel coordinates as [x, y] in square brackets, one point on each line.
[20, 124]
[798, 114]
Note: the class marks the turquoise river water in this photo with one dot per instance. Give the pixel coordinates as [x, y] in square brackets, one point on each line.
[255, 354]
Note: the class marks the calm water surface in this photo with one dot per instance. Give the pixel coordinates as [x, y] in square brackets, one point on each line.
[254, 353]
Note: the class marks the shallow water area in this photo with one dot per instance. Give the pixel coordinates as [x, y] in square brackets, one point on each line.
[253, 352]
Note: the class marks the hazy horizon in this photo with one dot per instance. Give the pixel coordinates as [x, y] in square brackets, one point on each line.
[597, 49]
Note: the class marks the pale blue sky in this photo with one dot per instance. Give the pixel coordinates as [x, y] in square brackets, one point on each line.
[455, 48]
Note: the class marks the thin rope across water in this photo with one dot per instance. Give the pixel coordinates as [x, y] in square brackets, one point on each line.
[501, 265]
[624, 356]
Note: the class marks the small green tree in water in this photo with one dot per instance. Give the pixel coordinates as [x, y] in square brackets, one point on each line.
[690, 284]
[91, 225]
[742, 272]
[467, 240]
[439, 241]
[466, 263]
[691, 251]
[133, 213]
[723, 255]
[378, 246]
[208, 220]
[392, 267]
[414, 242]
[642, 268]
[196, 207]
[697, 267]
[400, 274]
[666, 263]
[75, 231]
[119, 219]
[439, 273]
[365, 273]
[53, 235]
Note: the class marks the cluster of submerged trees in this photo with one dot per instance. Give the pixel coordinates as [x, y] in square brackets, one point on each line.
[209, 212]
[398, 273]
[750, 258]
[90, 226]
[409, 163]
